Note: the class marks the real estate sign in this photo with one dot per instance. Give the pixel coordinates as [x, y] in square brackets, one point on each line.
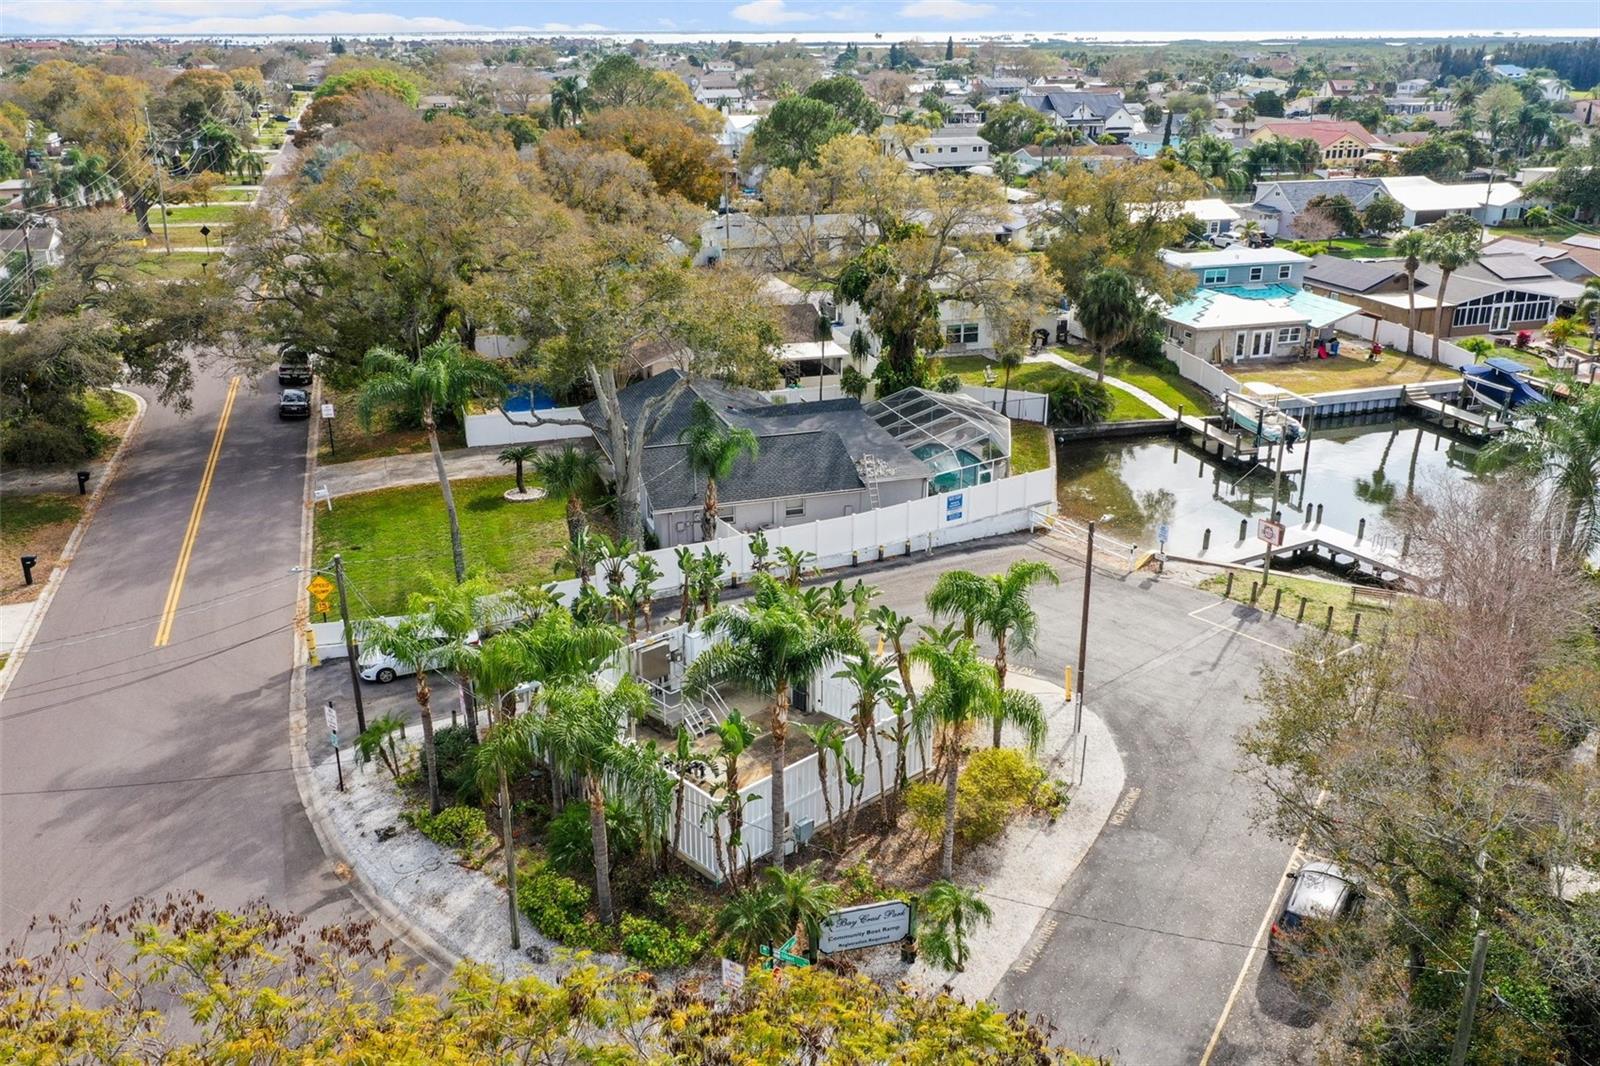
[866, 926]
[955, 508]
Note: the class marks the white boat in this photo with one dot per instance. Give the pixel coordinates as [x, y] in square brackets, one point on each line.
[1258, 415]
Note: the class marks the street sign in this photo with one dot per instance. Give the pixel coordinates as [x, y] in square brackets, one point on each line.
[1270, 531]
[331, 716]
[866, 926]
[732, 974]
[320, 587]
[321, 606]
[1161, 534]
[327, 411]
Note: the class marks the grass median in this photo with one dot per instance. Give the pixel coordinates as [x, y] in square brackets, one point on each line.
[1319, 596]
[389, 537]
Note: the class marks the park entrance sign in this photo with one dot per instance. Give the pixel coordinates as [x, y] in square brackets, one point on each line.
[865, 926]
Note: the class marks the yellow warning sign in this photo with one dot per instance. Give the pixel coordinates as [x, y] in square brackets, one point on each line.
[321, 606]
[320, 587]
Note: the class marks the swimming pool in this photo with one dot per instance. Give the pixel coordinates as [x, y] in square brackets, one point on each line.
[961, 470]
[529, 398]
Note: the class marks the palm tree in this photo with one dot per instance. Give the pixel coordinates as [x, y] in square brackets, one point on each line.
[734, 737]
[81, 177]
[997, 605]
[1009, 358]
[714, 448]
[581, 731]
[680, 761]
[505, 752]
[771, 645]
[249, 168]
[828, 737]
[569, 98]
[806, 899]
[413, 641]
[1562, 448]
[751, 921]
[580, 556]
[1588, 309]
[1411, 246]
[570, 475]
[519, 454]
[1006, 168]
[441, 378]
[457, 612]
[965, 692]
[874, 681]
[795, 564]
[1449, 251]
[892, 627]
[646, 572]
[1109, 309]
[1215, 160]
[378, 739]
[948, 912]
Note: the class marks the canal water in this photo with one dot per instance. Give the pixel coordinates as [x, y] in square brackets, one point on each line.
[1358, 469]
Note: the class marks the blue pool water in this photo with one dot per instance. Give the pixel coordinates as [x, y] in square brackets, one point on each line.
[963, 472]
[526, 399]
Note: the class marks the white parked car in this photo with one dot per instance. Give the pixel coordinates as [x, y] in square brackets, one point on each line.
[375, 665]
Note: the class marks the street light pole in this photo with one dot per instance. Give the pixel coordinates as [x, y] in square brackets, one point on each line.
[349, 645]
[1083, 635]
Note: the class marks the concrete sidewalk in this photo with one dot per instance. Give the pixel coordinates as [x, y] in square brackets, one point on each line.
[367, 475]
[1021, 875]
[1163, 409]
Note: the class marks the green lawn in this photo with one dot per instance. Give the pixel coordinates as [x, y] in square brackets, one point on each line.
[177, 265]
[232, 196]
[201, 213]
[1344, 247]
[1346, 372]
[38, 525]
[390, 536]
[107, 406]
[1320, 596]
[189, 237]
[1030, 447]
[352, 441]
[1043, 377]
[1556, 231]
[1165, 383]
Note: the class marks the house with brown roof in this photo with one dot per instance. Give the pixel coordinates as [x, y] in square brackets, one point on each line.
[1343, 144]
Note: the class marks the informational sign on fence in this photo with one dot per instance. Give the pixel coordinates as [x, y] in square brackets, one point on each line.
[866, 926]
[955, 508]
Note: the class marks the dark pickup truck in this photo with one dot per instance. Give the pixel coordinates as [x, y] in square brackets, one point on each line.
[294, 368]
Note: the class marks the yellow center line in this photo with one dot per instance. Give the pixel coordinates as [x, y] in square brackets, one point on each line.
[175, 590]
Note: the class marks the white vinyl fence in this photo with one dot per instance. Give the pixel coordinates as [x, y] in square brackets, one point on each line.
[1021, 405]
[1452, 355]
[492, 429]
[1208, 376]
[1008, 505]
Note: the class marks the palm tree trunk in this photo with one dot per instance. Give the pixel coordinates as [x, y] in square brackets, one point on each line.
[1411, 316]
[708, 516]
[511, 858]
[947, 853]
[430, 764]
[1100, 364]
[1005, 395]
[574, 518]
[457, 552]
[899, 758]
[469, 704]
[827, 800]
[522, 488]
[780, 759]
[911, 699]
[883, 785]
[602, 852]
[677, 815]
[1000, 677]
[1438, 313]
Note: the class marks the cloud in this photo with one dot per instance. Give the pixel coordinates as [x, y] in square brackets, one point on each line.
[768, 13]
[945, 9]
[567, 27]
[312, 17]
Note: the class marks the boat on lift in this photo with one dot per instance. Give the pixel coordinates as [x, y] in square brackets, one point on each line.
[1255, 410]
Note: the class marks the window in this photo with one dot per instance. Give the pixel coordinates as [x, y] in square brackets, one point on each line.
[1257, 273]
[1284, 272]
[1289, 335]
[961, 333]
[794, 509]
[1218, 276]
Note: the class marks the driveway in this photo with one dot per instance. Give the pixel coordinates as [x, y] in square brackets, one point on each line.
[1141, 949]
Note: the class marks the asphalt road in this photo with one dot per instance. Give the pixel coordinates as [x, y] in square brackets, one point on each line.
[1143, 946]
[133, 770]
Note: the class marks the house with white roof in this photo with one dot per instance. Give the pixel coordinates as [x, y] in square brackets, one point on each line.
[951, 148]
[1249, 306]
[1241, 267]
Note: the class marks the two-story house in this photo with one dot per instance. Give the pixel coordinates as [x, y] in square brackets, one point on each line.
[1094, 113]
[1249, 305]
[951, 148]
[1342, 144]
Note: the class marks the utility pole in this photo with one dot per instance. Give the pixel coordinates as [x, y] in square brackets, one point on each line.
[161, 195]
[1469, 1004]
[349, 645]
[1277, 488]
[1083, 634]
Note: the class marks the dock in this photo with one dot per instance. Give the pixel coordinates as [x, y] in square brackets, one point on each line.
[1334, 545]
[1417, 398]
[1230, 447]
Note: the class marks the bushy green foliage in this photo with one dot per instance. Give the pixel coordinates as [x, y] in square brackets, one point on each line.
[657, 946]
[996, 785]
[453, 747]
[453, 827]
[571, 845]
[1079, 401]
[558, 906]
[681, 902]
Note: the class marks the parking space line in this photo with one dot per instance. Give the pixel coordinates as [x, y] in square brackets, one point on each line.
[1235, 630]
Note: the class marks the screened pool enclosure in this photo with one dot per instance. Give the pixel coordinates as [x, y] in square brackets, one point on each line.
[962, 442]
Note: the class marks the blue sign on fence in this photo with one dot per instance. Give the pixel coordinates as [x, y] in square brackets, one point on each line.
[955, 507]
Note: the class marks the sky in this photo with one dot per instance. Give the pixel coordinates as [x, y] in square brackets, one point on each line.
[756, 19]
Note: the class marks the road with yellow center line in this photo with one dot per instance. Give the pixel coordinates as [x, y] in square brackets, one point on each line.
[175, 590]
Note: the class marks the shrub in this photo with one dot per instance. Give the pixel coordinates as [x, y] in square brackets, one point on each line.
[453, 827]
[557, 906]
[679, 901]
[657, 946]
[996, 785]
[948, 382]
[453, 748]
[1079, 401]
[571, 846]
[853, 382]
